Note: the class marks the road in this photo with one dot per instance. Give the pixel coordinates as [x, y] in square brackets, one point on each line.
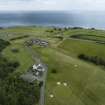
[42, 88]
[38, 60]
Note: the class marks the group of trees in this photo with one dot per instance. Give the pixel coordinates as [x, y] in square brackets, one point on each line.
[1, 28]
[13, 90]
[60, 37]
[94, 59]
[7, 67]
[66, 28]
[77, 28]
[3, 44]
[57, 30]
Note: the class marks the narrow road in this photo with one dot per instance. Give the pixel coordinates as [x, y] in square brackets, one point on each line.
[42, 88]
[38, 60]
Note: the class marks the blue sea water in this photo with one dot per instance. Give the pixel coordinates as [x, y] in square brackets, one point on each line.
[52, 18]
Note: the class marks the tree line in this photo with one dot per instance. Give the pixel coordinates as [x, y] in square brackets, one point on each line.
[13, 90]
[94, 59]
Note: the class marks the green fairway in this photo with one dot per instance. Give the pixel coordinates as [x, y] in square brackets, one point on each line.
[75, 47]
[82, 80]
[85, 81]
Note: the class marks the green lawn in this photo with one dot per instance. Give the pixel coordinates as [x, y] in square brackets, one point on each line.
[82, 80]
[76, 47]
[86, 82]
[23, 56]
[85, 31]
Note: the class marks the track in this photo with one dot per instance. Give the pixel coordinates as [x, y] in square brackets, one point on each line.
[38, 60]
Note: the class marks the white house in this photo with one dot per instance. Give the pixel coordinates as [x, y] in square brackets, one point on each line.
[38, 69]
[34, 67]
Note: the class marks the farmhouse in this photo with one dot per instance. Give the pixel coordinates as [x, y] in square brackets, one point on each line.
[35, 74]
[38, 70]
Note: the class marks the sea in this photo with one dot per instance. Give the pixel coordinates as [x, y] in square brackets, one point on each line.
[87, 19]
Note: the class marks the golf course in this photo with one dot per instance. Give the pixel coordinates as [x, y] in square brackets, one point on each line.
[71, 80]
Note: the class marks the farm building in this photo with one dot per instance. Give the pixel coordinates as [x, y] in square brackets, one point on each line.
[39, 42]
[38, 69]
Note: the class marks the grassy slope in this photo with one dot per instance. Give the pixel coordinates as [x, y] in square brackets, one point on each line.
[81, 80]
[23, 56]
[85, 31]
[86, 83]
[75, 47]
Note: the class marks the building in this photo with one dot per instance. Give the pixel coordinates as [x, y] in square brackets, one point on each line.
[39, 42]
[38, 69]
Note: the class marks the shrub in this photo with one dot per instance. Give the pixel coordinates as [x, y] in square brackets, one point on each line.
[77, 28]
[54, 71]
[14, 50]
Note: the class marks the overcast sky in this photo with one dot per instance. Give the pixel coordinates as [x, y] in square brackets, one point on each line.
[52, 5]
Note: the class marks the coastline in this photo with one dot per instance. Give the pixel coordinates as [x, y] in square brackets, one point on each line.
[59, 19]
[52, 26]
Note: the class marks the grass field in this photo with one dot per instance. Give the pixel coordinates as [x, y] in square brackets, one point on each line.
[85, 81]
[72, 47]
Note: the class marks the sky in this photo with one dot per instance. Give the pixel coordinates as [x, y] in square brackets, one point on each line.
[66, 5]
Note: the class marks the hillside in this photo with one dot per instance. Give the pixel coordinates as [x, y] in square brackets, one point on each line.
[85, 81]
